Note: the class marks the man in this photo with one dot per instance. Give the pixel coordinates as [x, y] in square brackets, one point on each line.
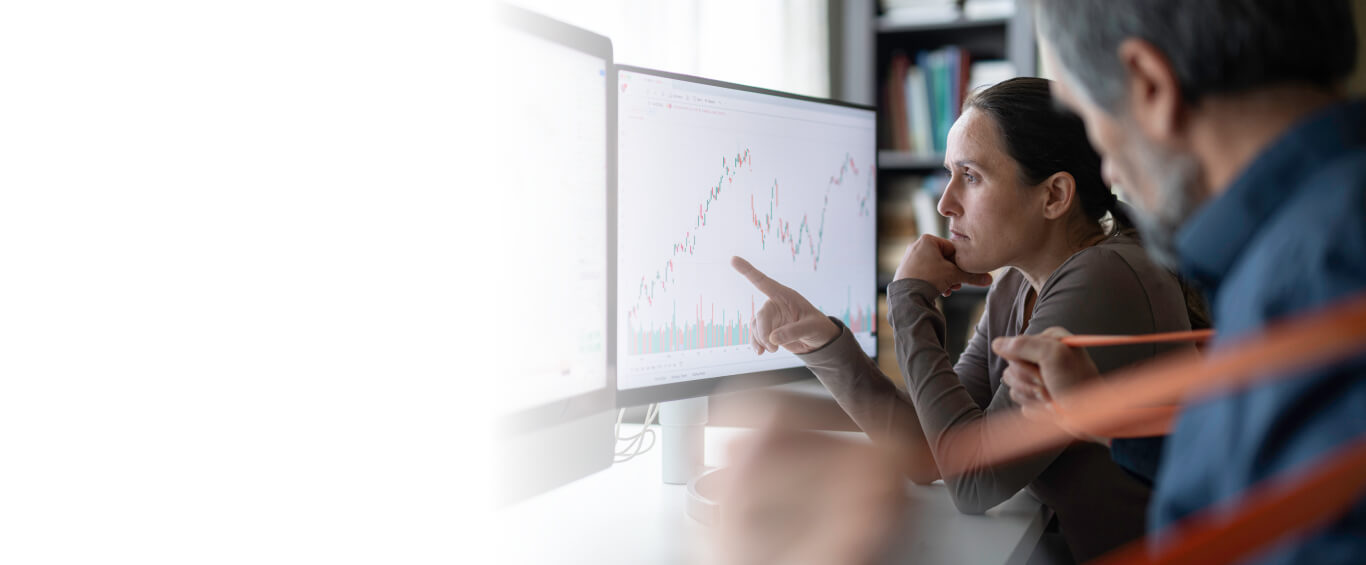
[1224, 121]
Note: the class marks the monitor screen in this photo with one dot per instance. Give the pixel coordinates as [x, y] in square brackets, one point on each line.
[553, 115]
[707, 171]
[555, 144]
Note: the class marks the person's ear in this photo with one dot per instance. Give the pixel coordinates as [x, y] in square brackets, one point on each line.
[1153, 92]
[1059, 191]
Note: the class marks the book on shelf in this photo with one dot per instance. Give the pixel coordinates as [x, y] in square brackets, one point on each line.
[919, 124]
[896, 103]
[926, 202]
[909, 208]
[923, 99]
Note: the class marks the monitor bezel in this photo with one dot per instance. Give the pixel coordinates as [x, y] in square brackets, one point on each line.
[743, 381]
[599, 46]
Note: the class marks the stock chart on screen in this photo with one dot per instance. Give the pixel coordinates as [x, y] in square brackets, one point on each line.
[707, 171]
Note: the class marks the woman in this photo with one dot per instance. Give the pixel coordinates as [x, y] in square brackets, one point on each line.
[1025, 191]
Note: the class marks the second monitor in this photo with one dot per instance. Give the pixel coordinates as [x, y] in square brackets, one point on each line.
[710, 170]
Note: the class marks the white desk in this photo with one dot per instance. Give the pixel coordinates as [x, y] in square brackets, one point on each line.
[626, 514]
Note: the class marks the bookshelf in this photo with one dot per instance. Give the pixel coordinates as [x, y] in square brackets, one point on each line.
[1002, 38]
[864, 40]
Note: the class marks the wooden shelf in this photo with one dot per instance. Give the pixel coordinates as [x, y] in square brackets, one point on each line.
[889, 160]
[891, 25]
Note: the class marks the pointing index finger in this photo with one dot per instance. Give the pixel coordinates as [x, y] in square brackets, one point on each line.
[760, 281]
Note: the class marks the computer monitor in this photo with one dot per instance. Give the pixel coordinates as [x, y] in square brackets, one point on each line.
[708, 170]
[557, 136]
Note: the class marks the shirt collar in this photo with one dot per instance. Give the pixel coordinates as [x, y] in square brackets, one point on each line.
[1212, 239]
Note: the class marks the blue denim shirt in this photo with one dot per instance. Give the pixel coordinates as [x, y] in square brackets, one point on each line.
[1288, 236]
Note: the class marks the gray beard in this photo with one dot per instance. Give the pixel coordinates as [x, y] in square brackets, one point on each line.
[1176, 177]
[1159, 238]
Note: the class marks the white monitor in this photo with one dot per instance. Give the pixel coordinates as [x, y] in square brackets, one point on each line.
[556, 137]
[709, 170]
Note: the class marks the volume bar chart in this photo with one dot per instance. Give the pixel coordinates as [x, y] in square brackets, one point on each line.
[731, 329]
[696, 333]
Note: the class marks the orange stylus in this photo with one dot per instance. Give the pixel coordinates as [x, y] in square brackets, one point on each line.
[1147, 421]
[1166, 337]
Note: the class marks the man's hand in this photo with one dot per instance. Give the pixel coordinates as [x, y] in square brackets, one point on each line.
[806, 498]
[1040, 364]
[930, 259]
[786, 319]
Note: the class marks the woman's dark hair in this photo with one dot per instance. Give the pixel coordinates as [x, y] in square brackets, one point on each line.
[1045, 139]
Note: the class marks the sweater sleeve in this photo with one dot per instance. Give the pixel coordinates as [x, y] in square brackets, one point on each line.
[972, 368]
[944, 403]
[878, 407]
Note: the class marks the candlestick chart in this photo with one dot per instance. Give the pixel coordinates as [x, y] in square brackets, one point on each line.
[705, 174]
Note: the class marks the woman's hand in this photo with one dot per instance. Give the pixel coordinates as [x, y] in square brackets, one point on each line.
[930, 259]
[786, 319]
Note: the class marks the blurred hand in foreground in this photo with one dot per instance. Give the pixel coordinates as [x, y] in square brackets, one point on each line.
[806, 498]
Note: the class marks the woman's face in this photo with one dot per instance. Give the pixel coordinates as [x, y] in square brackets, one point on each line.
[994, 217]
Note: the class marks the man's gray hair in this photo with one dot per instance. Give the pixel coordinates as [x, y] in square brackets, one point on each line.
[1214, 46]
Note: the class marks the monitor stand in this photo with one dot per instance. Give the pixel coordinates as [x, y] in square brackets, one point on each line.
[684, 424]
[684, 443]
